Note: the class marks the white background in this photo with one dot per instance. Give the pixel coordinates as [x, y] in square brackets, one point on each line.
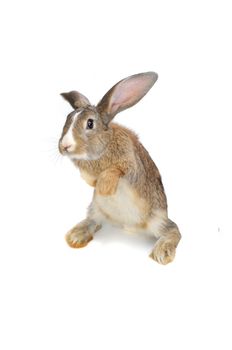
[110, 295]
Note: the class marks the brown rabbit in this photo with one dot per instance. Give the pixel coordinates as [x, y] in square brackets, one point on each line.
[128, 188]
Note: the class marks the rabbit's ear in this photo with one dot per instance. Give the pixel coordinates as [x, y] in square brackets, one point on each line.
[125, 94]
[76, 99]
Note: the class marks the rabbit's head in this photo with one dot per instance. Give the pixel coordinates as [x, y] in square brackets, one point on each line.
[87, 131]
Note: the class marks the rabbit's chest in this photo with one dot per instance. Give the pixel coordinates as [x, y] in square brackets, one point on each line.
[124, 207]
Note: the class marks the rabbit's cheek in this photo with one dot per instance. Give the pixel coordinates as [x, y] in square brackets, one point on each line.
[79, 150]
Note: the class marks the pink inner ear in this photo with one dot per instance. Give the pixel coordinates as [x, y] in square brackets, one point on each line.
[128, 92]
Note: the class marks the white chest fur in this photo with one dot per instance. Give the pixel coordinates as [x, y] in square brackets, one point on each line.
[124, 207]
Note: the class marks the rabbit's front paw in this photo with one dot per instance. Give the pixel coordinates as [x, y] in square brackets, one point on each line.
[78, 237]
[106, 187]
[107, 182]
[163, 252]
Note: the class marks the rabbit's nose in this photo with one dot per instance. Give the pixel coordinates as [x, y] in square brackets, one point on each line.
[67, 147]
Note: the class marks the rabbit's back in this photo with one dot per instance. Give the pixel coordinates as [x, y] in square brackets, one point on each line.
[141, 171]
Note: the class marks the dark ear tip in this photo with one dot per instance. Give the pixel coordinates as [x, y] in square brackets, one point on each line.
[153, 75]
[156, 76]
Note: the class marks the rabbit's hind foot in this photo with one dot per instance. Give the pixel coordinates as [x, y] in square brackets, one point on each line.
[165, 248]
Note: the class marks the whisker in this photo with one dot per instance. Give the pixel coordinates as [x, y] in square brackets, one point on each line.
[50, 147]
[56, 158]
[50, 140]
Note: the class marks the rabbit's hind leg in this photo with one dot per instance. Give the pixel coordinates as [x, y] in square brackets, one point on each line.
[81, 234]
[168, 236]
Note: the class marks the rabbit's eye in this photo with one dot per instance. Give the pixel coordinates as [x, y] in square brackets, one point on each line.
[90, 124]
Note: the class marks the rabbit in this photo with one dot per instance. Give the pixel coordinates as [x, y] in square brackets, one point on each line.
[128, 190]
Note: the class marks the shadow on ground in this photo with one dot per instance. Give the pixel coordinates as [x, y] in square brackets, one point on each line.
[113, 235]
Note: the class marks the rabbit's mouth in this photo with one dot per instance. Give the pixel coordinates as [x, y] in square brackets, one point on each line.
[69, 152]
[76, 156]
